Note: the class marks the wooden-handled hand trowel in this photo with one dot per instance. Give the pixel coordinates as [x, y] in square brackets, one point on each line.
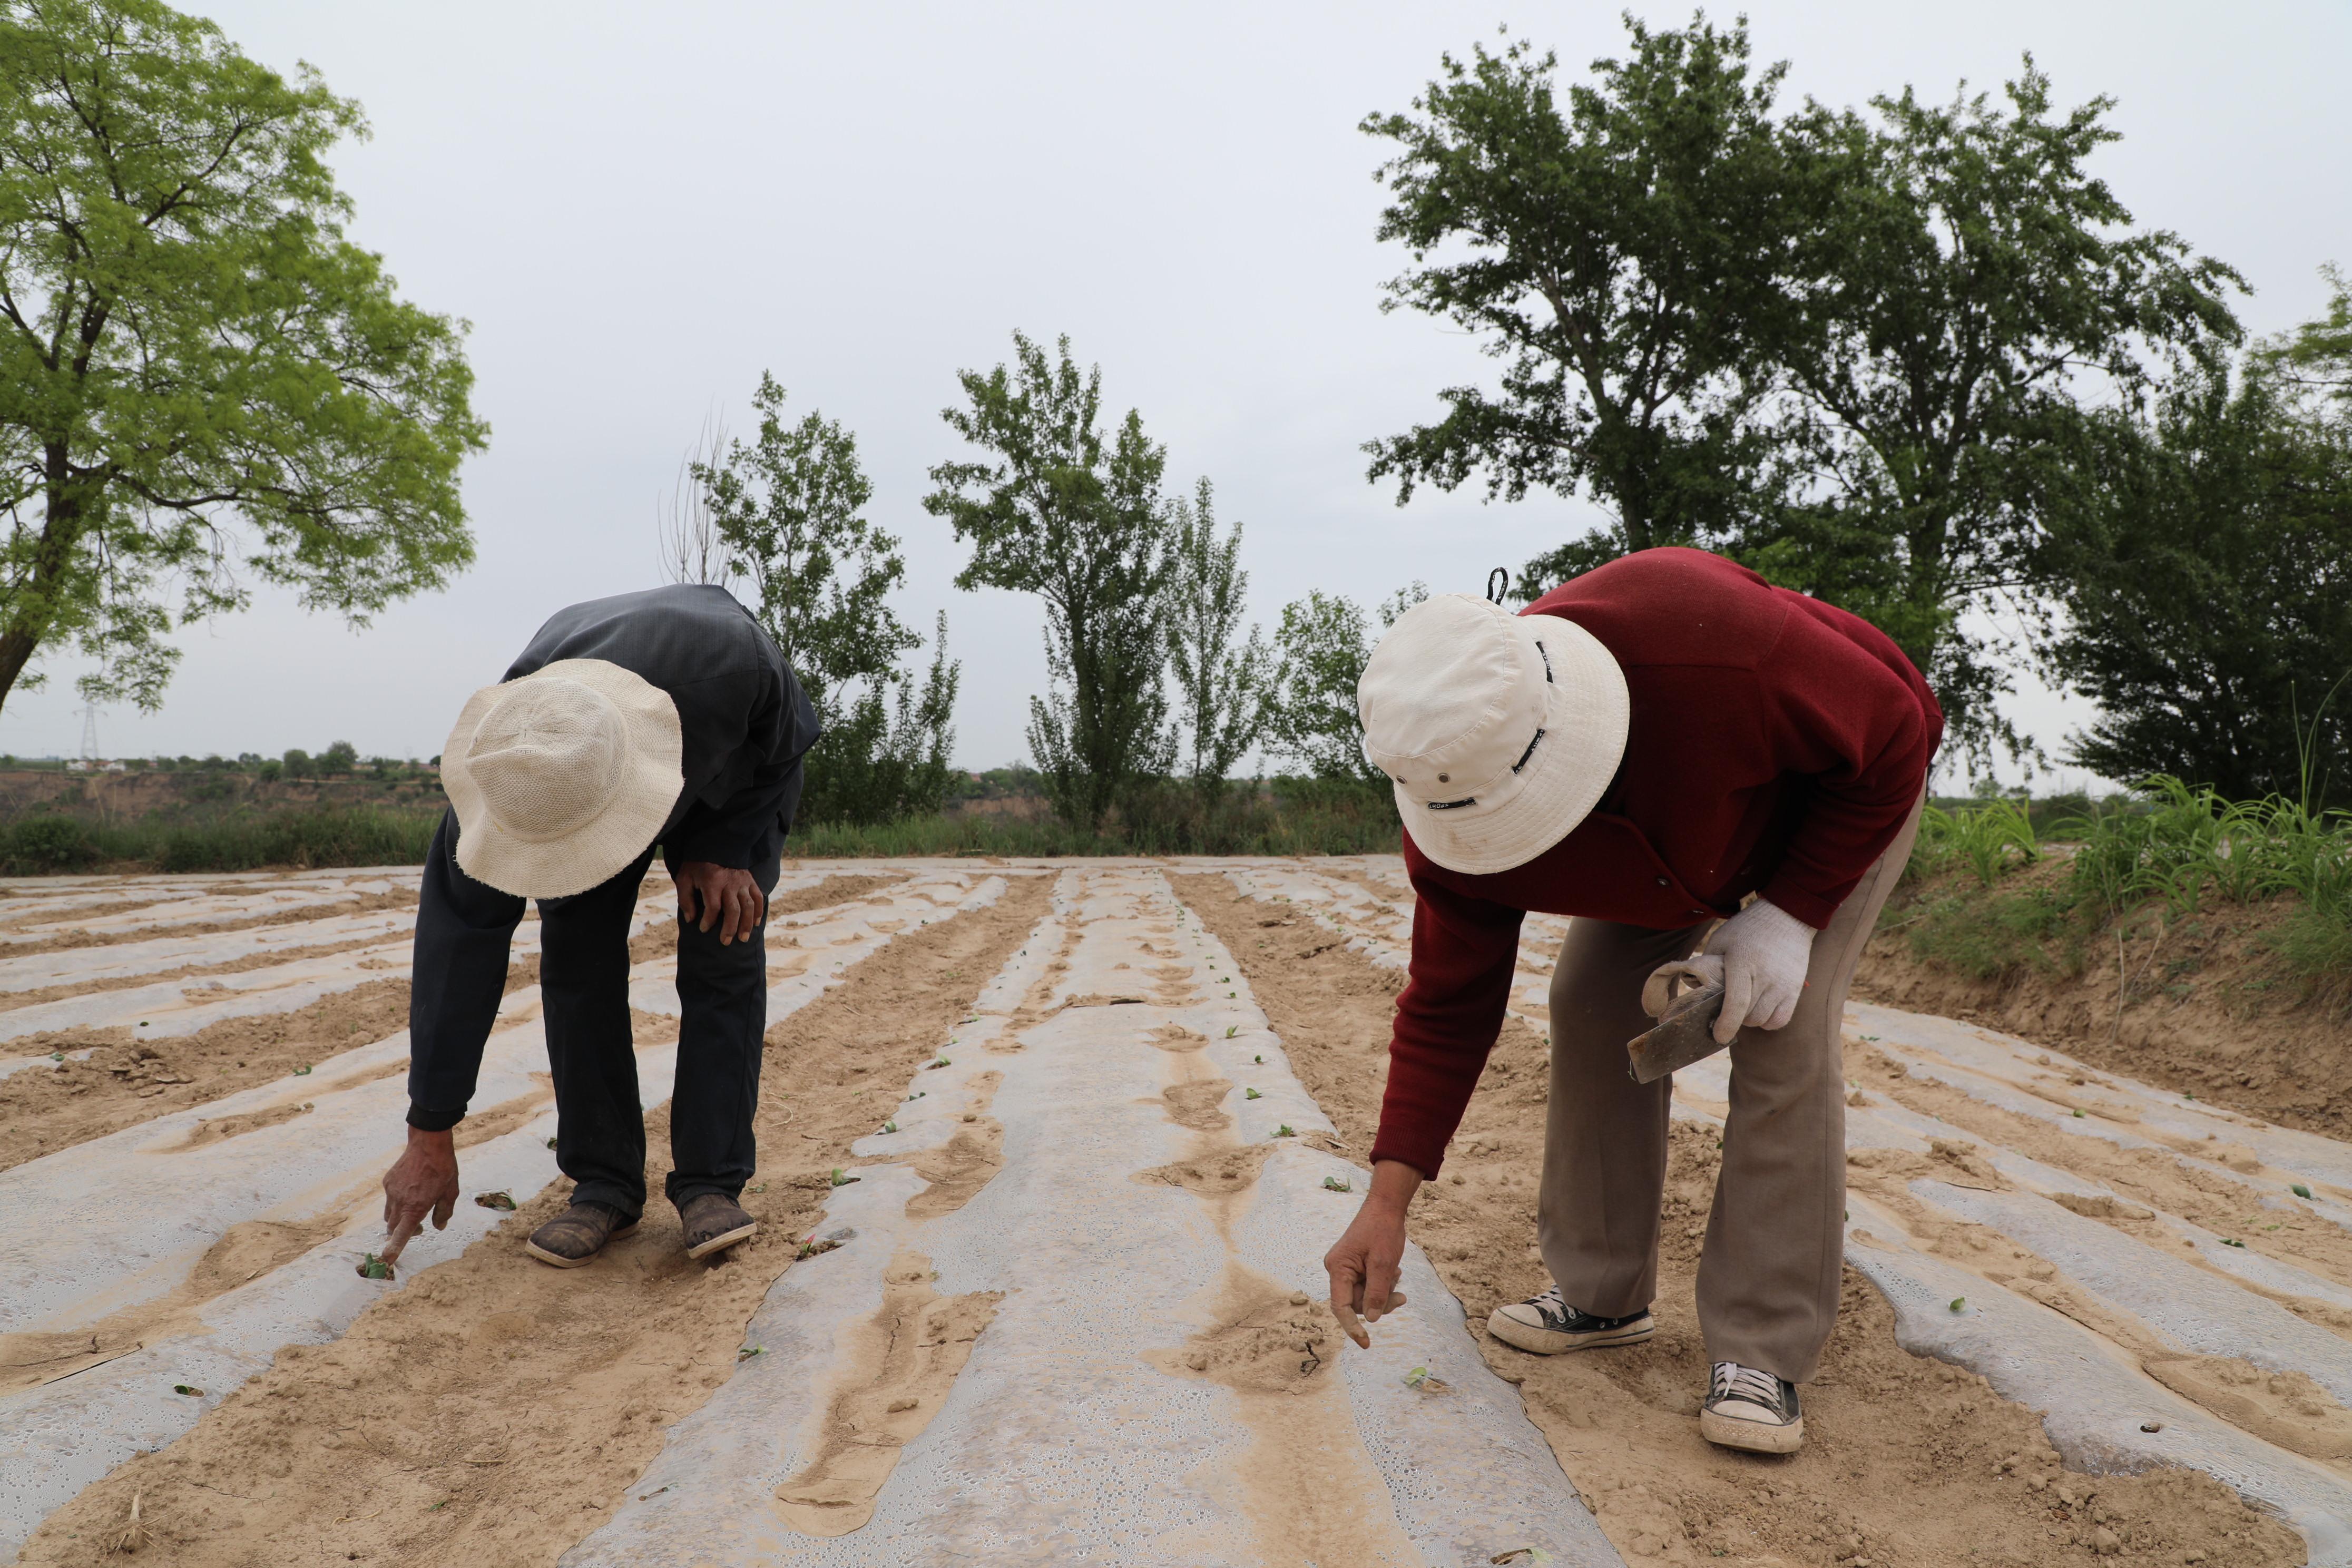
[1685, 1003]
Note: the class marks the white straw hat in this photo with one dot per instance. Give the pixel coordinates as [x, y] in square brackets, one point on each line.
[562, 777]
[1500, 732]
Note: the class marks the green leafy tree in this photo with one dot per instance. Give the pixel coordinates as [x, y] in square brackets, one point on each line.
[338, 759]
[1966, 275]
[1073, 514]
[2209, 597]
[1320, 651]
[188, 342]
[1220, 675]
[298, 763]
[2317, 357]
[1624, 255]
[784, 512]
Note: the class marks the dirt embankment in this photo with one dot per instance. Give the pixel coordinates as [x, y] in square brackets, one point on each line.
[1907, 1461]
[495, 1411]
[2198, 1002]
[199, 793]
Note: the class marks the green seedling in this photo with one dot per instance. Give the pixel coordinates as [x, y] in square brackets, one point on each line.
[495, 1201]
[374, 1267]
[1285, 1131]
[760, 1188]
[189, 1389]
[57, 1055]
[1251, 1094]
[2186, 1096]
[919, 1094]
[748, 1351]
[1231, 1030]
[812, 1246]
[1959, 1303]
[302, 1071]
[1416, 1377]
[1260, 1060]
[1337, 1184]
[889, 1127]
[2233, 1241]
[842, 1178]
[2299, 1189]
[437, 1507]
[938, 1064]
[1229, 995]
[550, 1143]
[2078, 1113]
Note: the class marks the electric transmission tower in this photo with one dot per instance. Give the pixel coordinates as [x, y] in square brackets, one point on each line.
[90, 732]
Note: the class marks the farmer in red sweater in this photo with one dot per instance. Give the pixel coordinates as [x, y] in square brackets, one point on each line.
[1643, 749]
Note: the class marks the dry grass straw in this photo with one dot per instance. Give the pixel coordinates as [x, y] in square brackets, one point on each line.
[135, 1533]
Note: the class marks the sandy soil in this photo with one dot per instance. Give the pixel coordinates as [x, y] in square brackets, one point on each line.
[123, 1083]
[494, 1411]
[2206, 1006]
[1907, 1461]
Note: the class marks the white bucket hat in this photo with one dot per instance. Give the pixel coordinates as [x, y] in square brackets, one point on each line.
[1500, 732]
[562, 777]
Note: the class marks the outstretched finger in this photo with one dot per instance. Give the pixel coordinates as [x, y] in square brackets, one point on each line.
[402, 1229]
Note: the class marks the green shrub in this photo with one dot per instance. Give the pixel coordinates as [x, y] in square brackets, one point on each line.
[41, 846]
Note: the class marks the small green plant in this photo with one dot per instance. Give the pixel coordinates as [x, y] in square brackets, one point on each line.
[302, 1071]
[2233, 1241]
[842, 1178]
[1337, 1184]
[1285, 1131]
[495, 1201]
[748, 1351]
[890, 1126]
[2299, 1189]
[812, 1246]
[189, 1389]
[1259, 1060]
[1959, 1303]
[1232, 1029]
[1251, 1094]
[374, 1267]
[550, 1143]
[936, 1064]
[57, 1055]
[1416, 1377]
[2078, 1113]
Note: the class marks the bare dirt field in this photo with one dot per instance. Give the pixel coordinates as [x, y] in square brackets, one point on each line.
[1049, 1154]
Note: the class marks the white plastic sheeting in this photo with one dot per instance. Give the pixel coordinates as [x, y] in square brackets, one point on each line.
[149, 1201]
[1067, 1437]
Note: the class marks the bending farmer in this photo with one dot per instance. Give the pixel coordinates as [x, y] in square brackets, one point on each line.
[665, 718]
[1643, 749]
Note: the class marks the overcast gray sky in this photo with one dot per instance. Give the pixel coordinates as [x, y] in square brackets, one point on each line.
[640, 208]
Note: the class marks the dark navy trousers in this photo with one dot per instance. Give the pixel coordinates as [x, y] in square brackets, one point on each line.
[463, 931]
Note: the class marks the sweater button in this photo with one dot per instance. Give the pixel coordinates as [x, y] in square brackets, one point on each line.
[1661, 881]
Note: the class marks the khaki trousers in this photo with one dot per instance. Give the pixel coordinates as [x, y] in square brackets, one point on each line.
[1769, 1277]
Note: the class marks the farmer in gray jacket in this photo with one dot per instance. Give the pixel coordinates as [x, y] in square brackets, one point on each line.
[666, 719]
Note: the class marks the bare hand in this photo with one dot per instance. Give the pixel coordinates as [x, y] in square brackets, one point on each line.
[1364, 1261]
[724, 896]
[423, 1181]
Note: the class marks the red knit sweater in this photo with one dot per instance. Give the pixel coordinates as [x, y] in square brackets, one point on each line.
[1775, 747]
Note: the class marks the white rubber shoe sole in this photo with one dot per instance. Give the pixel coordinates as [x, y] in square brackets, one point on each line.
[1752, 1437]
[1548, 1342]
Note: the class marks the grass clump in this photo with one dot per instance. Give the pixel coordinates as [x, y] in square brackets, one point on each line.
[2173, 848]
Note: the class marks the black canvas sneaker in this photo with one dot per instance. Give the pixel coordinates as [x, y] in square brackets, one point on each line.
[1752, 1410]
[1548, 1325]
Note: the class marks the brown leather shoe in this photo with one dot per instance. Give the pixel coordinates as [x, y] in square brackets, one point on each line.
[576, 1236]
[713, 1221]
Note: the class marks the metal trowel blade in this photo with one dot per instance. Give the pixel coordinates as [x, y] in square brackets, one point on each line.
[1686, 1034]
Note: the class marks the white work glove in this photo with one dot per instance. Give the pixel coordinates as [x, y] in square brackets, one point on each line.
[1758, 956]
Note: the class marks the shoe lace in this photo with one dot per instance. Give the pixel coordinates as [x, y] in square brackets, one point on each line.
[1733, 1381]
[1552, 1301]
